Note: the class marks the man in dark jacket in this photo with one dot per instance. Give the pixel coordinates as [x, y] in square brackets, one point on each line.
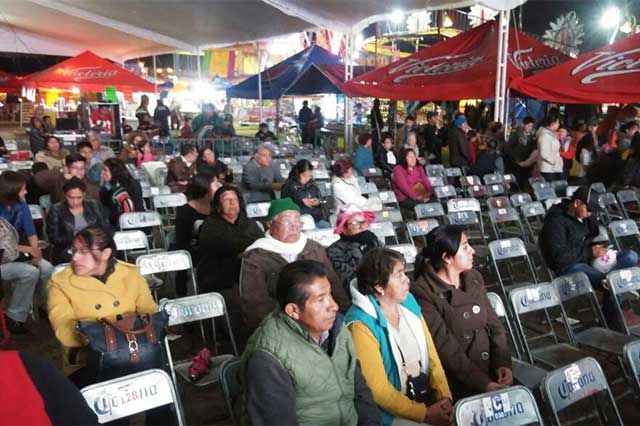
[567, 244]
[305, 115]
[459, 147]
[432, 141]
[264, 259]
[518, 149]
[305, 330]
[261, 173]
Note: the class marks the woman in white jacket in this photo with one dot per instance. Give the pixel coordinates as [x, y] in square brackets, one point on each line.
[345, 185]
[549, 159]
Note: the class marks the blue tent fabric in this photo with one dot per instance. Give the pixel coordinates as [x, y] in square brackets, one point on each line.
[277, 79]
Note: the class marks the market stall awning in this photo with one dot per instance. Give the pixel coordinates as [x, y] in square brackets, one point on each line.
[606, 75]
[89, 73]
[323, 79]
[277, 80]
[462, 67]
[9, 83]
[123, 30]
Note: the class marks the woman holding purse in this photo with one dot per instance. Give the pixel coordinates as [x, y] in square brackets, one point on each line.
[394, 346]
[94, 286]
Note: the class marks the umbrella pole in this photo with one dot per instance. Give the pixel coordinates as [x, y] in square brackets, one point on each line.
[348, 75]
[501, 71]
[259, 81]
[155, 75]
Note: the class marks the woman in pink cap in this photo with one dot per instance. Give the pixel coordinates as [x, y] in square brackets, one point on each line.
[355, 240]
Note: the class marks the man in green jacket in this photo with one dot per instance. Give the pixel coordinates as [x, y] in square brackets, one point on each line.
[300, 365]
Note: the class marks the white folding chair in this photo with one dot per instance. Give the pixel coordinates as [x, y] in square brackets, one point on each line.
[162, 263]
[131, 243]
[581, 381]
[409, 252]
[384, 230]
[167, 204]
[146, 220]
[132, 394]
[258, 210]
[512, 406]
[192, 309]
[420, 228]
[324, 237]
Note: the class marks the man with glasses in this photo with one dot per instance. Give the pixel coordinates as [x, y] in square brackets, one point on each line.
[52, 181]
[261, 173]
[262, 261]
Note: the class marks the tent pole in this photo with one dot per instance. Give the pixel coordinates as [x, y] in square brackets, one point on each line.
[155, 75]
[259, 53]
[501, 71]
[348, 75]
[199, 66]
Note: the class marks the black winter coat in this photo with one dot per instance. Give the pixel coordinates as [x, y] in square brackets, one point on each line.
[459, 148]
[565, 240]
[60, 226]
[380, 158]
[293, 189]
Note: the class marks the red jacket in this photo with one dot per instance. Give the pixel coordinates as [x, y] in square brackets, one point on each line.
[404, 180]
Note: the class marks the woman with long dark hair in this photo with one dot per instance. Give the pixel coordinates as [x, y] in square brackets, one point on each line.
[202, 188]
[304, 191]
[470, 338]
[120, 192]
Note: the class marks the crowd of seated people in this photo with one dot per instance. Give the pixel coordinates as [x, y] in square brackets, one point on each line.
[300, 309]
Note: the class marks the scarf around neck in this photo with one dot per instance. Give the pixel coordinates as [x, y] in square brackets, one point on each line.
[366, 239]
[289, 251]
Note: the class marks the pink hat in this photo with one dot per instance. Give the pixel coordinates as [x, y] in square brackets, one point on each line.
[347, 212]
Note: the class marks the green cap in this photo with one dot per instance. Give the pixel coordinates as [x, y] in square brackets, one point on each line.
[281, 205]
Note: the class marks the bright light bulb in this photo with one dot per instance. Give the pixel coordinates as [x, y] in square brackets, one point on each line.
[610, 18]
[447, 22]
[397, 16]
[359, 41]
[75, 90]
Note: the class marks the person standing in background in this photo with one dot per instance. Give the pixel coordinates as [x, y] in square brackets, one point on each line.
[305, 115]
[377, 124]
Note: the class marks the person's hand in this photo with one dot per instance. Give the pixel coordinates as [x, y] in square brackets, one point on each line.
[439, 413]
[598, 250]
[505, 377]
[308, 202]
[491, 386]
[36, 255]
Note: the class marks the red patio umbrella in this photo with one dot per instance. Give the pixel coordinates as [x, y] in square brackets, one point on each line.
[605, 75]
[9, 83]
[462, 67]
[90, 73]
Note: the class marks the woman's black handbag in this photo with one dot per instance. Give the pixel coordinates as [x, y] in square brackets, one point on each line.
[128, 345]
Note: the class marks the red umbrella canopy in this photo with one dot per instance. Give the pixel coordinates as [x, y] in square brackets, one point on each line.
[605, 75]
[90, 73]
[462, 67]
[9, 83]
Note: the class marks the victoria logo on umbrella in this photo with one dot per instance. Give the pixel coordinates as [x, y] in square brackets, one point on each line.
[608, 63]
[438, 65]
[526, 60]
[87, 73]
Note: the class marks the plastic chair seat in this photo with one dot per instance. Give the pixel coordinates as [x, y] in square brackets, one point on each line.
[558, 354]
[212, 377]
[603, 339]
[528, 375]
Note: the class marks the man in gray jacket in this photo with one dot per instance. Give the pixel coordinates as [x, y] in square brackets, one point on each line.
[261, 174]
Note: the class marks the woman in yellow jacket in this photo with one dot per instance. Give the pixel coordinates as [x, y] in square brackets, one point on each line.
[95, 285]
[393, 344]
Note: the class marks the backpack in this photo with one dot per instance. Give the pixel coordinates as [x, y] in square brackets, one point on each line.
[123, 200]
[9, 240]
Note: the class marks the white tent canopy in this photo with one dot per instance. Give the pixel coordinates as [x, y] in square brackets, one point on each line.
[125, 29]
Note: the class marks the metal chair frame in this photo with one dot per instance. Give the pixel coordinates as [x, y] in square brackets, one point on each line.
[620, 282]
[629, 196]
[508, 250]
[420, 228]
[112, 400]
[231, 384]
